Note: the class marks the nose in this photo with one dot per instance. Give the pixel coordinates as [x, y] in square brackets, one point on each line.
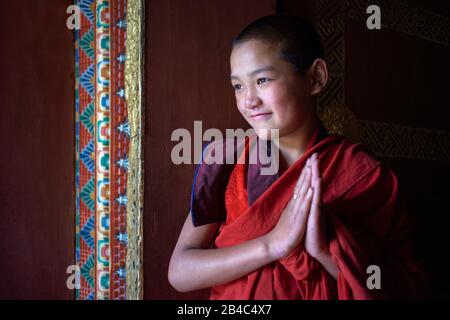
[251, 99]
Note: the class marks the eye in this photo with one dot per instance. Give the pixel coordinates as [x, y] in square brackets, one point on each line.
[237, 87]
[262, 80]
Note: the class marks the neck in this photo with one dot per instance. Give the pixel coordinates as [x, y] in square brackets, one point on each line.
[293, 145]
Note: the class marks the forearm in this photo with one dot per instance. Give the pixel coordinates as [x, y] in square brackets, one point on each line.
[193, 269]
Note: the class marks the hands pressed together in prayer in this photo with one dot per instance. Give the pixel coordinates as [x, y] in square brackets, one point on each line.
[195, 266]
[303, 220]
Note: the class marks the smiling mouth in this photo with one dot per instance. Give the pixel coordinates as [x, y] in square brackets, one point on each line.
[261, 116]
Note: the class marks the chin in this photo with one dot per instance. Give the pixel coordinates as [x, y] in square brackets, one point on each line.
[266, 133]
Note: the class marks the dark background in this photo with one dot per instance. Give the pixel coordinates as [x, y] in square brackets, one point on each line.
[391, 77]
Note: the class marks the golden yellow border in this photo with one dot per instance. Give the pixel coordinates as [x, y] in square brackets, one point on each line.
[134, 68]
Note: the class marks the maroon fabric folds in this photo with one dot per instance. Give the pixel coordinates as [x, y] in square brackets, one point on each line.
[367, 225]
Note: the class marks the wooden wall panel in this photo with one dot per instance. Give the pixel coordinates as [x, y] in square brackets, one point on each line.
[187, 79]
[37, 229]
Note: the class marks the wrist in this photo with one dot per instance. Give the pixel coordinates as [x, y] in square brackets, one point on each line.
[323, 255]
[275, 250]
[326, 260]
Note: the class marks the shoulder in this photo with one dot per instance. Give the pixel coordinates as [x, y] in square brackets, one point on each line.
[349, 165]
[355, 155]
[365, 192]
[211, 178]
[222, 151]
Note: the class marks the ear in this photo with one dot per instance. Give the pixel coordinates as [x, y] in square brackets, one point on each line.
[318, 75]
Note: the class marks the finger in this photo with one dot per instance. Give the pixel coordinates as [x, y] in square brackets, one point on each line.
[302, 176]
[316, 204]
[303, 190]
[317, 183]
[315, 221]
[315, 166]
[295, 199]
[305, 208]
[306, 183]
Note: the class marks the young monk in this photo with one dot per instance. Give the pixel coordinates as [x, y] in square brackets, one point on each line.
[321, 226]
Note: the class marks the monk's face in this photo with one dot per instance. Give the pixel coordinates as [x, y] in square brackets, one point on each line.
[270, 94]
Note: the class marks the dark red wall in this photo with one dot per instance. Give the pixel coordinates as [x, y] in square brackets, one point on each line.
[187, 74]
[37, 159]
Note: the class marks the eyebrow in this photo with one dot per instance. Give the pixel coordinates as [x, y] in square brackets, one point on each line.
[254, 72]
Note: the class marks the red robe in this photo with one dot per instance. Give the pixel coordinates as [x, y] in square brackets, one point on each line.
[366, 222]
